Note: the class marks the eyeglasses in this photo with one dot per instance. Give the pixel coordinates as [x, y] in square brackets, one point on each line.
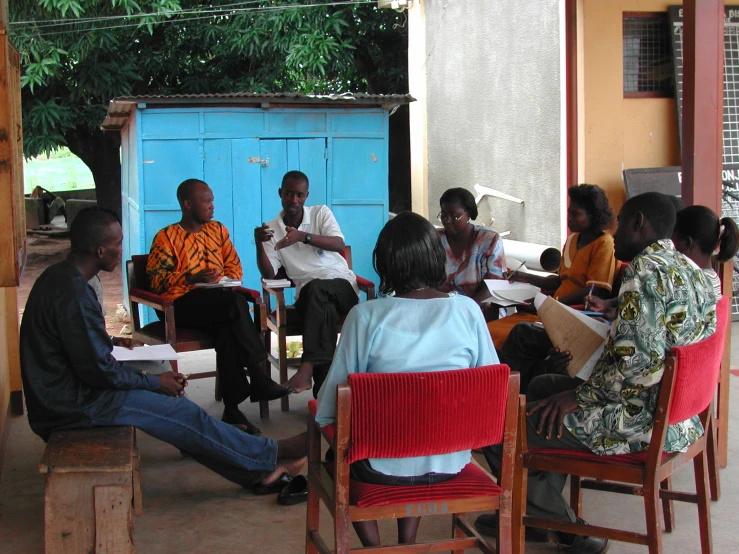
[448, 217]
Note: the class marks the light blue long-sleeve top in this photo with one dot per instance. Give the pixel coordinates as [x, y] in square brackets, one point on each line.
[392, 335]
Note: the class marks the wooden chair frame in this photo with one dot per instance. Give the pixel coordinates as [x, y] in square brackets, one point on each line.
[277, 322]
[334, 491]
[651, 481]
[137, 295]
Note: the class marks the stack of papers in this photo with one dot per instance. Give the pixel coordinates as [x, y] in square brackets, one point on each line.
[277, 283]
[569, 329]
[504, 293]
[154, 352]
[223, 282]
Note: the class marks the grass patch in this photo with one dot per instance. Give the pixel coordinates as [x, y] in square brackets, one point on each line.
[60, 171]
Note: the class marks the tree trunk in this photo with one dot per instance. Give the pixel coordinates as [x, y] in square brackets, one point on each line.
[100, 151]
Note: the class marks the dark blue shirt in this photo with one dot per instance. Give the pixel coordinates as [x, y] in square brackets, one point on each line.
[70, 378]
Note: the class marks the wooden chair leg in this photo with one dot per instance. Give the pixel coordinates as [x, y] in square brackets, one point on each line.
[457, 532]
[704, 506]
[714, 481]
[668, 510]
[218, 393]
[264, 405]
[654, 529]
[282, 352]
[576, 495]
[342, 534]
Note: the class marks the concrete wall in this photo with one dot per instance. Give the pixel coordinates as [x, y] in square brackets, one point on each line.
[619, 133]
[493, 109]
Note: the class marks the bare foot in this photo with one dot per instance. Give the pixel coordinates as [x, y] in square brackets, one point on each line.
[293, 447]
[303, 379]
[291, 468]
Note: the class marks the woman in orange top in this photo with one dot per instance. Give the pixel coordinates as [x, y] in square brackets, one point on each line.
[587, 258]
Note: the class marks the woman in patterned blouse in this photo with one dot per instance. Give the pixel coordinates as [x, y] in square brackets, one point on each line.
[473, 252]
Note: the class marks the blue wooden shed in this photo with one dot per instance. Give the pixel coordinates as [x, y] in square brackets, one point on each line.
[242, 144]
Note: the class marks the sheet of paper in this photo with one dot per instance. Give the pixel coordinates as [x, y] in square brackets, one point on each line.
[153, 352]
[277, 283]
[504, 293]
[224, 282]
[573, 331]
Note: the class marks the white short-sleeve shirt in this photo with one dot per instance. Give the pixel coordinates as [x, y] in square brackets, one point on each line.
[303, 262]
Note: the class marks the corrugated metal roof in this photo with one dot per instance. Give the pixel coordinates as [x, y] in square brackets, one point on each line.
[120, 109]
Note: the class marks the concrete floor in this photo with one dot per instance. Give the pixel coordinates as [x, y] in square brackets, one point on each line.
[189, 509]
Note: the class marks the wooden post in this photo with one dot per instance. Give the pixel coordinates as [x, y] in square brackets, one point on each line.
[702, 147]
[703, 102]
[571, 92]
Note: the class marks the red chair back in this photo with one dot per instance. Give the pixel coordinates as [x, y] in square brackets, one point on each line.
[401, 415]
[698, 368]
[139, 271]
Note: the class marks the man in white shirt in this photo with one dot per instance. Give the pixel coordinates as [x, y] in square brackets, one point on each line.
[307, 242]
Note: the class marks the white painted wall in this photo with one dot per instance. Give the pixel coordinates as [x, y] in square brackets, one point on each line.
[493, 104]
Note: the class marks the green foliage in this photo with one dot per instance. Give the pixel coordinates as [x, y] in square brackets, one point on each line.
[76, 55]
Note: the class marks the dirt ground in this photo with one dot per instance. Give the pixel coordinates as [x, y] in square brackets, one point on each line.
[46, 251]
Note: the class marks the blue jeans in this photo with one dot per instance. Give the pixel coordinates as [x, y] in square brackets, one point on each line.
[230, 452]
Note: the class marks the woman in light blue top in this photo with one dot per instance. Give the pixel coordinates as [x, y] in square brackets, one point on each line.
[413, 328]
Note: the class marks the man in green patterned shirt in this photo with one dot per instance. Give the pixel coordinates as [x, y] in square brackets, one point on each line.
[664, 301]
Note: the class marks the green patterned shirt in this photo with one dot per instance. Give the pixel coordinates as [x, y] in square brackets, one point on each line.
[664, 301]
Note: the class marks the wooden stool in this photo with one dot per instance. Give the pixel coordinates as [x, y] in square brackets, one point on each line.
[93, 489]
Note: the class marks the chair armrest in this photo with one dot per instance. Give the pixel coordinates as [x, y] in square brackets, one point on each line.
[275, 291]
[367, 287]
[150, 299]
[251, 294]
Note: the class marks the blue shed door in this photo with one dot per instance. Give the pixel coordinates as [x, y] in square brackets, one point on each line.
[258, 168]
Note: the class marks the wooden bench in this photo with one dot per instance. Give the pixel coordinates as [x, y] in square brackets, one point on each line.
[93, 490]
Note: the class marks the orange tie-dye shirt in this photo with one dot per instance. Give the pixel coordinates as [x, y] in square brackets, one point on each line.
[175, 253]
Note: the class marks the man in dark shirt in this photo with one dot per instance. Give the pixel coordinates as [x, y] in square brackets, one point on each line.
[71, 380]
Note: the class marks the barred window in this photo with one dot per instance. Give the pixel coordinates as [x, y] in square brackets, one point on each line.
[648, 68]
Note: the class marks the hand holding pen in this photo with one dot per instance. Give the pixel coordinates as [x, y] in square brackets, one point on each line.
[511, 275]
[587, 298]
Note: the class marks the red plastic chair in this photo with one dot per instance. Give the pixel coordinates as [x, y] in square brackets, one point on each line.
[182, 339]
[688, 388]
[400, 415]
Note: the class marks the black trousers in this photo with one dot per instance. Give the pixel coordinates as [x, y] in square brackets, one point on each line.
[224, 314]
[524, 351]
[321, 303]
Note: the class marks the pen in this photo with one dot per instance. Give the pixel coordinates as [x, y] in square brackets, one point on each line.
[519, 267]
[592, 288]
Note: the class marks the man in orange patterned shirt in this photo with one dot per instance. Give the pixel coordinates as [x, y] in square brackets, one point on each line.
[199, 250]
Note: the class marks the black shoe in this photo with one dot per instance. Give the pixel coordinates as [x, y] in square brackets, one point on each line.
[487, 524]
[580, 544]
[234, 416]
[267, 389]
[295, 493]
[272, 488]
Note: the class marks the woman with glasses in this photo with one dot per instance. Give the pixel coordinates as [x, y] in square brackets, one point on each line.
[473, 253]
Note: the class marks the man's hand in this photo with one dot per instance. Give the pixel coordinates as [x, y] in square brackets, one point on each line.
[556, 361]
[552, 411]
[125, 342]
[608, 308]
[263, 233]
[293, 236]
[204, 276]
[172, 384]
